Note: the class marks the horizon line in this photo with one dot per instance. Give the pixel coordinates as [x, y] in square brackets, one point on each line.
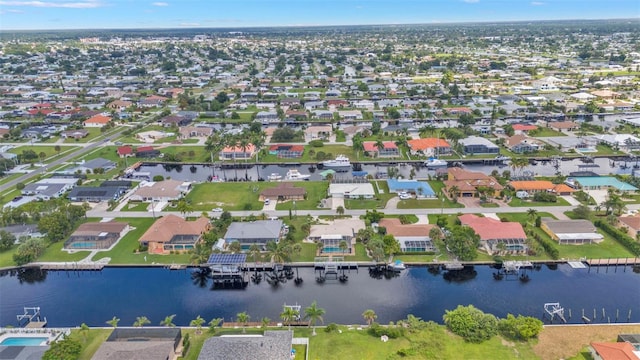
[319, 25]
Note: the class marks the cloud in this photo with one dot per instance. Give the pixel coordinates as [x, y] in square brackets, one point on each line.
[537, 3]
[11, 11]
[160, 3]
[471, 1]
[82, 4]
[189, 24]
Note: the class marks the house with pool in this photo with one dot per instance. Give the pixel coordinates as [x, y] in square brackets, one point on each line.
[337, 231]
[411, 237]
[173, 233]
[96, 235]
[256, 232]
[494, 232]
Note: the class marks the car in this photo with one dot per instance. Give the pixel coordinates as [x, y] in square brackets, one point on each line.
[216, 210]
[266, 201]
[404, 196]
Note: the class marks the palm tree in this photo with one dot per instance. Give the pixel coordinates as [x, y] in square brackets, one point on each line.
[244, 144]
[184, 207]
[141, 321]
[358, 143]
[379, 145]
[289, 314]
[369, 316]
[343, 246]
[254, 252]
[532, 213]
[200, 254]
[113, 322]
[319, 246]
[314, 313]
[197, 322]
[453, 193]
[243, 318]
[235, 247]
[84, 330]
[265, 322]
[435, 234]
[168, 321]
[258, 141]
[340, 210]
[279, 252]
[213, 324]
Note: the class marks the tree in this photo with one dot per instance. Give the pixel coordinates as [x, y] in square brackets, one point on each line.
[113, 322]
[435, 234]
[471, 324]
[279, 252]
[197, 322]
[340, 210]
[582, 212]
[184, 207]
[288, 315]
[390, 245]
[141, 321]
[168, 321]
[532, 213]
[57, 149]
[200, 253]
[265, 322]
[84, 330]
[463, 242]
[235, 247]
[453, 193]
[343, 246]
[7, 240]
[314, 313]
[243, 318]
[521, 327]
[213, 324]
[66, 349]
[369, 316]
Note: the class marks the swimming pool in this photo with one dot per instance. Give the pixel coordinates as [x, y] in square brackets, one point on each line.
[332, 250]
[23, 341]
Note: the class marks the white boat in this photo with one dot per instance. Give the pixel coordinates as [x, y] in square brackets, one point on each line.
[435, 163]
[274, 177]
[294, 175]
[396, 266]
[340, 161]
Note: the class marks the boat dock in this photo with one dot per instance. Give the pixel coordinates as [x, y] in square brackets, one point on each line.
[613, 262]
[72, 266]
[32, 315]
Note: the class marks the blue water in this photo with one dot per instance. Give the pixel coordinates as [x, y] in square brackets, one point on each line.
[93, 297]
[329, 250]
[23, 341]
[83, 245]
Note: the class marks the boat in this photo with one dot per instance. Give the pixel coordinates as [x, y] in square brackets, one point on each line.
[274, 177]
[293, 175]
[435, 163]
[502, 158]
[396, 266]
[340, 161]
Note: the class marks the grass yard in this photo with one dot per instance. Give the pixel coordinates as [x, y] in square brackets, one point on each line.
[545, 132]
[334, 150]
[382, 196]
[6, 257]
[48, 150]
[232, 196]
[409, 258]
[608, 248]
[316, 191]
[105, 152]
[93, 133]
[515, 202]
[307, 254]
[606, 150]
[136, 206]
[123, 252]
[54, 253]
[188, 153]
[90, 341]
[9, 177]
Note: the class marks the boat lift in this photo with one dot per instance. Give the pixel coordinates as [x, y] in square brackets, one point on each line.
[553, 309]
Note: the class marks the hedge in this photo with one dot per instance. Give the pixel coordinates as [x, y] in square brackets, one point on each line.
[625, 240]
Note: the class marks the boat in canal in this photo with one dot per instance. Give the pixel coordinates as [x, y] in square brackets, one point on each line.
[340, 162]
[274, 177]
[433, 163]
[295, 175]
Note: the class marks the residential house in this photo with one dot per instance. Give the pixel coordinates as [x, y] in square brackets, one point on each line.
[152, 135]
[91, 166]
[599, 183]
[351, 191]
[350, 115]
[74, 134]
[267, 117]
[572, 232]
[464, 183]
[152, 101]
[619, 141]
[238, 153]
[187, 132]
[272, 344]
[173, 233]
[494, 232]
[631, 224]
[175, 120]
[147, 152]
[95, 194]
[522, 144]
[474, 145]
[49, 188]
[283, 192]
[332, 234]
[97, 121]
[124, 151]
[412, 237]
[161, 191]
[563, 126]
[286, 151]
[119, 105]
[125, 344]
[317, 132]
[389, 149]
[613, 351]
[258, 232]
[534, 186]
[96, 235]
[296, 114]
[419, 188]
[429, 147]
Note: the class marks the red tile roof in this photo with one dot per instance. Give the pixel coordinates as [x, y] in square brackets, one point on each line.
[144, 148]
[492, 229]
[371, 145]
[427, 143]
[125, 150]
[98, 119]
[614, 350]
[524, 127]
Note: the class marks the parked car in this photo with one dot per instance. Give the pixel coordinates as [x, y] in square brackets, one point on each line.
[266, 201]
[216, 210]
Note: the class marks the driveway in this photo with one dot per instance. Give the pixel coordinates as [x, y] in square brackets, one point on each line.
[270, 207]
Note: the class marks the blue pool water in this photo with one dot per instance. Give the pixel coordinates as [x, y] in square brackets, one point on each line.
[331, 250]
[23, 341]
[83, 245]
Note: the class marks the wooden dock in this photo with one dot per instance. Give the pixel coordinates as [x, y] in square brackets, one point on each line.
[613, 262]
[177, 267]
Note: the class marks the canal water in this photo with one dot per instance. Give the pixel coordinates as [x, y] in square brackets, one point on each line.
[200, 173]
[70, 298]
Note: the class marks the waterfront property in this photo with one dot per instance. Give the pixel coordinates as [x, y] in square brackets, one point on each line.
[631, 223]
[238, 153]
[534, 186]
[474, 145]
[494, 232]
[271, 345]
[256, 232]
[141, 344]
[464, 183]
[166, 190]
[571, 231]
[173, 233]
[286, 151]
[334, 233]
[429, 146]
[600, 182]
[283, 192]
[388, 150]
[412, 237]
[96, 235]
[95, 193]
[352, 191]
[420, 188]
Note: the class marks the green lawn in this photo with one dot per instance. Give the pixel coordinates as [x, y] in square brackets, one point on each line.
[123, 252]
[6, 257]
[316, 191]
[515, 202]
[545, 132]
[9, 177]
[55, 253]
[93, 133]
[105, 152]
[333, 150]
[90, 341]
[136, 206]
[307, 254]
[229, 196]
[382, 196]
[188, 153]
[48, 150]
[608, 248]
[606, 150]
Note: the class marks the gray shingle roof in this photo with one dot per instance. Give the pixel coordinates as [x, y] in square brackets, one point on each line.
[254, 230]
[274, 345]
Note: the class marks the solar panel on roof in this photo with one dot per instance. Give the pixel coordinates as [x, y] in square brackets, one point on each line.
[227, 259]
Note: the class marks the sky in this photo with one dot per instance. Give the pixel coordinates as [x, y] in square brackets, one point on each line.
[115, 14]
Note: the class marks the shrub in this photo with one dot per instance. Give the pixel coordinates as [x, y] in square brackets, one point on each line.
[626, 241]
[66, 349]
[521, 327]
[471, 323]
[544, 197]
[333, 327]
[392, 332]
[158, 178]
[316, 143]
